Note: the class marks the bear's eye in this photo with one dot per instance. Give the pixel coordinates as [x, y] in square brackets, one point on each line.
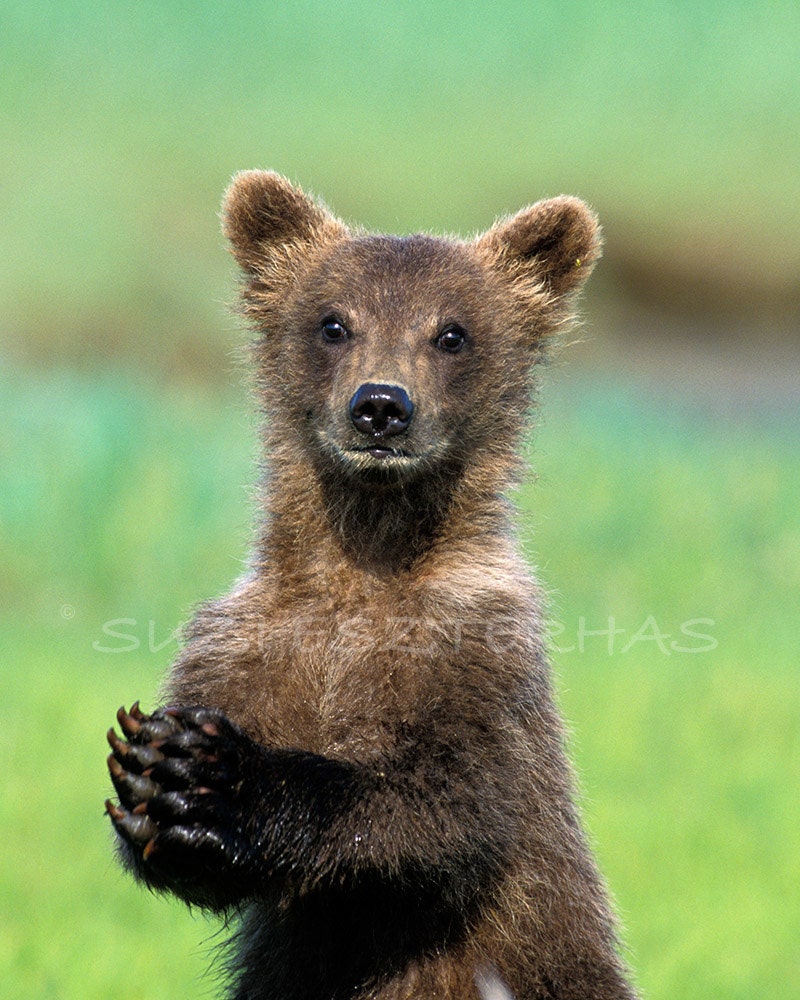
[334, 331]
[451, 339]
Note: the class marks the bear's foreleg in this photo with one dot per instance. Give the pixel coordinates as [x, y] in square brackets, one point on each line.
[210, 815]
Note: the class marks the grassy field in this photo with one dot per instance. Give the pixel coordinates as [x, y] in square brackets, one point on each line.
[680, 527]
[668, 536]
[121, 126]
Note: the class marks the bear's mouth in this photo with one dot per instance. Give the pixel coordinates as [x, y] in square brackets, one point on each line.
[382, 452]
[378, 458]
[378, 462]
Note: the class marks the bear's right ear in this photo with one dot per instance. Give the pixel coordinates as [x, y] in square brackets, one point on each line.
[262, 212]
[553, 243]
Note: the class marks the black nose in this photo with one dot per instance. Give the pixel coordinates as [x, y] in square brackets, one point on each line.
[381, 410]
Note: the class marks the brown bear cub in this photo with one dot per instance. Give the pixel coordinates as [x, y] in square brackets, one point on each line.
[361, 756]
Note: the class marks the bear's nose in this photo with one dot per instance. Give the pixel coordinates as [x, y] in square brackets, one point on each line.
[381, 410]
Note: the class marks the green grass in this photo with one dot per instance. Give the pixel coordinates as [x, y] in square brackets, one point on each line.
[652, 513]
[121, 126]
[124, 500]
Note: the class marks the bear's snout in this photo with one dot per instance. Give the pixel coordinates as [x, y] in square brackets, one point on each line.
[381, 410]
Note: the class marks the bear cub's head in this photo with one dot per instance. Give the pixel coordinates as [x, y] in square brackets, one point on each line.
[387, 358]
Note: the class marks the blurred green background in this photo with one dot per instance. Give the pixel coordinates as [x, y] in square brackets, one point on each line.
[664, 510]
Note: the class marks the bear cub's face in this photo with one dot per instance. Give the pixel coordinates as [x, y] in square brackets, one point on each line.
[392, 356]
[394, 333]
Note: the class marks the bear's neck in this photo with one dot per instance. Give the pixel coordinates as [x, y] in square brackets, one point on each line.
[315, 516]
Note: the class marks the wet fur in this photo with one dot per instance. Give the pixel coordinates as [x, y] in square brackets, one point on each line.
[391, 805]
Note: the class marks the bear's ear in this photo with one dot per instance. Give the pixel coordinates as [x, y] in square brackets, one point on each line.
[262, 211]
[554, 242]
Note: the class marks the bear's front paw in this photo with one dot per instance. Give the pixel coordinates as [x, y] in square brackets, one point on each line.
[179, 777]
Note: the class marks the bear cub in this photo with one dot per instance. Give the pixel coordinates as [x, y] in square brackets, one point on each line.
[360, 757]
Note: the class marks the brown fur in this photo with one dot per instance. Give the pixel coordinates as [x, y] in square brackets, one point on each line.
[389, 621]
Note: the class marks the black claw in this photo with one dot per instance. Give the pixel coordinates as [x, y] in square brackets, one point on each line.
[120, 747]
[114, 812]
[136, 826]
[130, 724]
[131, 786]
[136, 757]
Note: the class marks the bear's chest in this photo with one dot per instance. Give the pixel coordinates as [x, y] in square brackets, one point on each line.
[345, 671]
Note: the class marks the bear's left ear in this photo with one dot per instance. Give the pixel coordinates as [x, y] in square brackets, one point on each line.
[554, 242]
[263, 212]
